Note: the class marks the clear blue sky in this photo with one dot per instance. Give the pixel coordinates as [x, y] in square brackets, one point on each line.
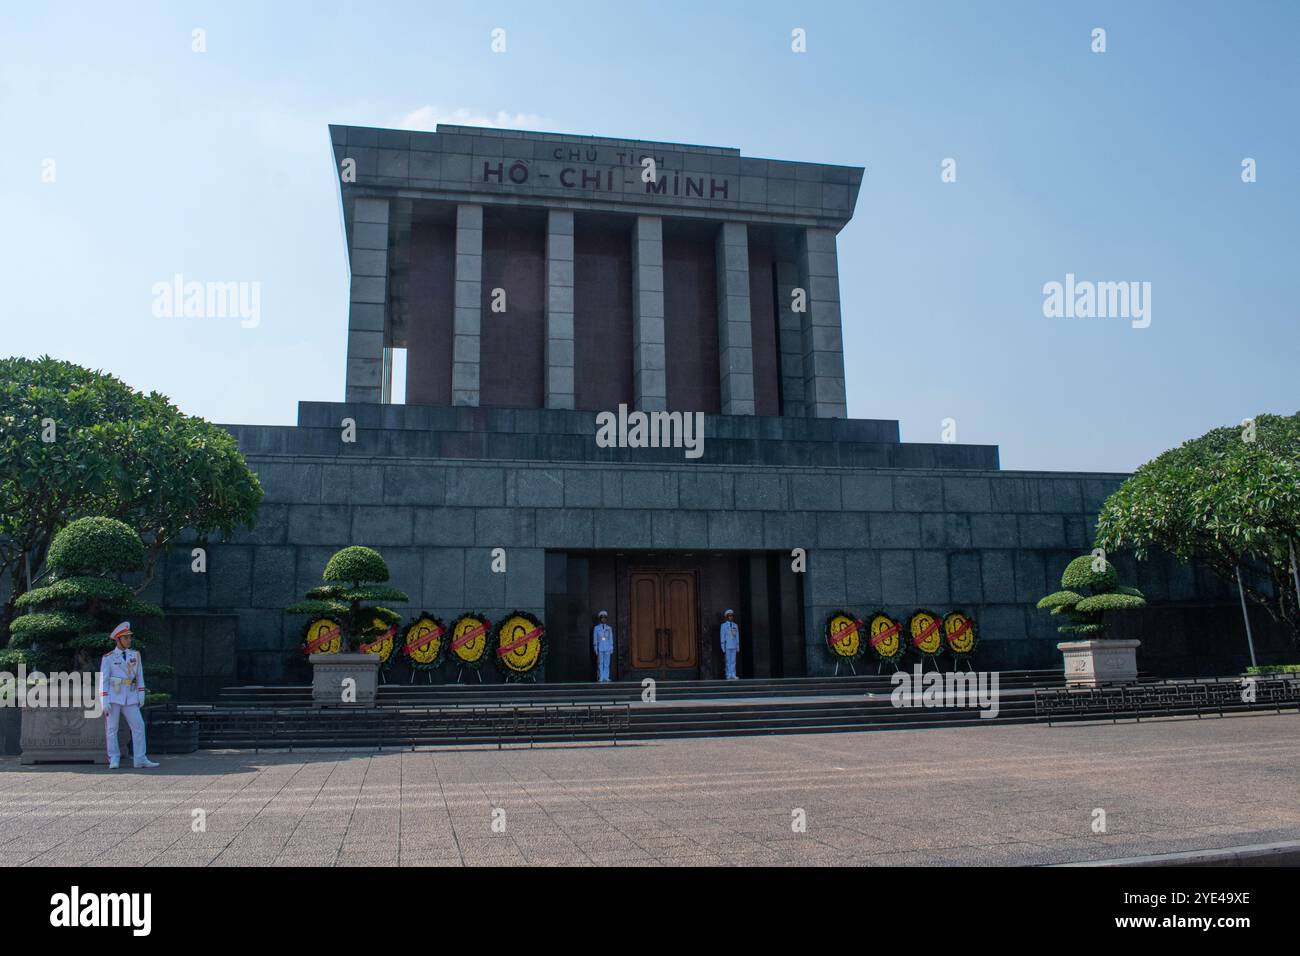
[1116, 166]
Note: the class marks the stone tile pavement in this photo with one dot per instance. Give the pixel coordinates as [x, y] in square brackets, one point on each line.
[973, 795]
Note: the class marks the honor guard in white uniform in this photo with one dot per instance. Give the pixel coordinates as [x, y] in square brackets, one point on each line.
[121, 678]
[602, 642]
[730, 641]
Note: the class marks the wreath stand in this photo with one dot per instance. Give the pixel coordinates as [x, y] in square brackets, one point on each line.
[933, 659]
[959, 659]
[461, 669]
[883, 661]
[845, 660]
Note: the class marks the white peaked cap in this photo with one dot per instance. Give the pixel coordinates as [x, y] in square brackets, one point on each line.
[728, 611]
[123, 628]
[603, 614]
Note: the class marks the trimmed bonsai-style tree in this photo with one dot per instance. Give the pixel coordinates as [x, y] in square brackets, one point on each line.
[66, 620]
[1090, 589]
[348, 637]
[355, 578]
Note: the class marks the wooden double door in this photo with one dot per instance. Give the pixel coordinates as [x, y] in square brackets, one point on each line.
[663, 624]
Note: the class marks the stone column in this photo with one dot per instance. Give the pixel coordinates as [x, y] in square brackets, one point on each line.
[823, 347]
[559, 309]
[469, 303]
[649, 379]
[367, 300]
[789, 327]
[735, 332]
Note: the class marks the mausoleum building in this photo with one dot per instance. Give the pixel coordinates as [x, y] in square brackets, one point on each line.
[536, 284]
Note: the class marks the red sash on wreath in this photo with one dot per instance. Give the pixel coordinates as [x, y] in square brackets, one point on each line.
[845, 633]
[919, 639]
[321, 641]
[886, 633]
[469, 635]
[423, 641]
[391, 632]
[521, 641]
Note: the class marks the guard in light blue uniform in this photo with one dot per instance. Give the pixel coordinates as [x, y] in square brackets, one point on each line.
[602, 642]
[730, 641]
[121, 679]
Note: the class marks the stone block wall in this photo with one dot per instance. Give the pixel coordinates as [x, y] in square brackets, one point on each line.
[988, 542]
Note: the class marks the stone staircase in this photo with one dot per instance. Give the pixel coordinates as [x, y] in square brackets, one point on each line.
[408, 715]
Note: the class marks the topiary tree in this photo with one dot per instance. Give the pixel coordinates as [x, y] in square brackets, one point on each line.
[67, 620]
[1090, 588]
[355, 577]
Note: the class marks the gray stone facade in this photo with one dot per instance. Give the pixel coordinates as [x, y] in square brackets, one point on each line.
[368, 298]
[735, 339]
[559, 309]
[436, 488]
[649, 354]
[940, 537]
[513, 167]
[470, 168]
[467, 316]
[823, 346]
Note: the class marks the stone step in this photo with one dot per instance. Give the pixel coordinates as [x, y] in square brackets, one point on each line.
[614, 692]
[558, 421]
[226, 726]
[262, 441]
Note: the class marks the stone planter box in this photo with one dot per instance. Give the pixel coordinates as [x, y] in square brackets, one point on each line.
[67, 735]
[1094, 663]
[11, 724]
[329, 671]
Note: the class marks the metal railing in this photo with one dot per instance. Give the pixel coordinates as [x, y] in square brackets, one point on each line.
[1168, 698]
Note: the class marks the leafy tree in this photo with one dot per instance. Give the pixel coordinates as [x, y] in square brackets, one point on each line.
[1229, 499]
[76, 442]
[68, 619]
[356, 577]
[1087, 593]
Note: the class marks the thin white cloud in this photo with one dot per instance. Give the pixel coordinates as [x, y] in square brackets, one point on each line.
[427, 117]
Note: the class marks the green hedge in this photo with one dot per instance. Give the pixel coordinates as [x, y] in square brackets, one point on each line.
[1079, 576]
[356, 565]
[97, 544]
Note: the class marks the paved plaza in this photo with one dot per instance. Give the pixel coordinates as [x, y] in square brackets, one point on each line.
[976, 795]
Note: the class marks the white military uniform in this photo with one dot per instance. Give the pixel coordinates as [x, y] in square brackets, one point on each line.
[730, 636]
[121, 676]
[602, 642]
